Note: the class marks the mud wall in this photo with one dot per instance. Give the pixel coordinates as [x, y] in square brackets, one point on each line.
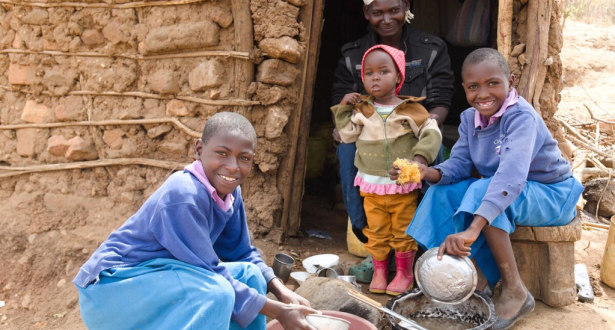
[543, 82]
[89, 86]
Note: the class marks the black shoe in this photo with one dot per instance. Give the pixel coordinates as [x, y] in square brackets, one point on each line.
[526, 309]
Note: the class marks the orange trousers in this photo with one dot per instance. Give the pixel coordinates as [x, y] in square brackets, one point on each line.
[388, 217]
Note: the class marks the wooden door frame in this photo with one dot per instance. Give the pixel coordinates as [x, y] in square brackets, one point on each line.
[299, 133]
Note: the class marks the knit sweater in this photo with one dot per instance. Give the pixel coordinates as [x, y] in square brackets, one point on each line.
[181, 221]
[516, 148]
[406, 132]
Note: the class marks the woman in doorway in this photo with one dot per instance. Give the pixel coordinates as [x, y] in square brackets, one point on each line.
[428, 74]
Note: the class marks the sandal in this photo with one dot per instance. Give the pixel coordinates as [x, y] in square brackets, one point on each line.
[364, 270]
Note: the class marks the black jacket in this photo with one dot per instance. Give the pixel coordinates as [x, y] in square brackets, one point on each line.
[428, 68]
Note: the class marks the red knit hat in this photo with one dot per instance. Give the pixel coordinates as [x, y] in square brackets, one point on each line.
[399, 58]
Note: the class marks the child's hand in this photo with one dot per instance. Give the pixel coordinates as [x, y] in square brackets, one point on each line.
[457, 244]
[351, 98]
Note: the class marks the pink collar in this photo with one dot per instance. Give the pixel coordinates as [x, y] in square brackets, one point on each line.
[481, 121]
[196, 168]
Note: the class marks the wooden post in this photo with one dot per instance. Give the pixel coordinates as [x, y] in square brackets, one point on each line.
[537, 44]
[505, 16]
[244, 42]
[293, 196]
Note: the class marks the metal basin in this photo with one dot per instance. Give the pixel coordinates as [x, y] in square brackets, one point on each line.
[475, 313]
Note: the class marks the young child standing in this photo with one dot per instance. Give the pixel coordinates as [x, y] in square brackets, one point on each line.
[185, 260]
[524, 181]
[386, 127]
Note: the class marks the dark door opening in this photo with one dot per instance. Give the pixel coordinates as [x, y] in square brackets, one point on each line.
[344, 21]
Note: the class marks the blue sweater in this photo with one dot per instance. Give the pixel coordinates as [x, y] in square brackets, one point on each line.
[181, 221]
[516, 148]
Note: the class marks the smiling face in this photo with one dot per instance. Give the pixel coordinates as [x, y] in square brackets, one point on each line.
[227, 160]
[387, 17]
[486, 86]
[380, 76]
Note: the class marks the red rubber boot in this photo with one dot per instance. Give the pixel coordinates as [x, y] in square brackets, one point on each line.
[404, 276]
[379, 280]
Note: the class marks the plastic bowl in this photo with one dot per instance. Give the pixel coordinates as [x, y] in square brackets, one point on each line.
[356, 322]
[326, 322]
[313, 263]
[300, 277]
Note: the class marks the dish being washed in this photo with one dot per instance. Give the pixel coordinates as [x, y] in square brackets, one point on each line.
[313, 263]
[451, 280]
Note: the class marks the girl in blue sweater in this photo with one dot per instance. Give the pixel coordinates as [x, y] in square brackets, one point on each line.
[185, 260]
[524, 180]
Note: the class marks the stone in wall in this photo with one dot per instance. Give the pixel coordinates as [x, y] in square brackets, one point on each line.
[80, 149]
[92, 37]
[285, 48]
[59, 81]
[57, 145]
[71, 109]
[277, 72]
[36, 17]
[20, 74]
[37, 113]
[26, 142]
[277, 118]
[114, 138]
[181, 37]
[177, 108]
[164, 82]
[206, 75]
[158, 130]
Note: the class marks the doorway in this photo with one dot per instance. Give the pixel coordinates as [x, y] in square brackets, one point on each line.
[344, 21]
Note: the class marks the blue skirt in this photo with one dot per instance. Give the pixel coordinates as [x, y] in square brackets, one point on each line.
[167, 294]
[448, 209]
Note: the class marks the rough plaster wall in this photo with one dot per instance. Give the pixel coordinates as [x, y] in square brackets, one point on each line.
[37, 87]
[550, 96]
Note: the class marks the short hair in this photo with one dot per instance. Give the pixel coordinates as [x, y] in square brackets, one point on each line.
[229, 122]
[486, 55]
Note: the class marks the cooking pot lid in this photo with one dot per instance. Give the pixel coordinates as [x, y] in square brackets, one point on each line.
[451, 280]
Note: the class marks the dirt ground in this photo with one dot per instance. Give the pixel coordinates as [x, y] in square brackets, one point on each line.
[41, 252]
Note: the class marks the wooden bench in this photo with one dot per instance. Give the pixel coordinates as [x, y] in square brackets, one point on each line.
[545, 258]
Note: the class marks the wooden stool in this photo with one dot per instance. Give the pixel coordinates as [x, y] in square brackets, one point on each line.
[545, 258]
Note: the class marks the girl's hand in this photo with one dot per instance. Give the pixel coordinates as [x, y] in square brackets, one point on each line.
[289, 297]
[293, 317]
[457, 244]
[351, 98]
[394, 173]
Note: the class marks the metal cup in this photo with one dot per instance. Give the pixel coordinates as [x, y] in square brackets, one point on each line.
[332, 272]
[350, 279]
[282, 265]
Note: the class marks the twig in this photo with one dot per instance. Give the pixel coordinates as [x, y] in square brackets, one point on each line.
[591, 98]
[591, 114]
[174, 121]
[19, 170]
[139, 4]
[572, 130]
[588, 146]
[233, 102]
[594, 225]
[241, 55]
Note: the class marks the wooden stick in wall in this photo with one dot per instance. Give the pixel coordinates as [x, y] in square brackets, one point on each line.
[505, 16]
[19, 170]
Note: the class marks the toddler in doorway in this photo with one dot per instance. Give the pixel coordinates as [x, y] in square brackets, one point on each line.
[524, 181]
[385, 127]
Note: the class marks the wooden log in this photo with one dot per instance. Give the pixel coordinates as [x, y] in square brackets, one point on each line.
[138, 4]
[537, 44]
[244, 42]
[109, 122]
[291, 216]
[505, 18]
[20, 170]
[205, 53]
